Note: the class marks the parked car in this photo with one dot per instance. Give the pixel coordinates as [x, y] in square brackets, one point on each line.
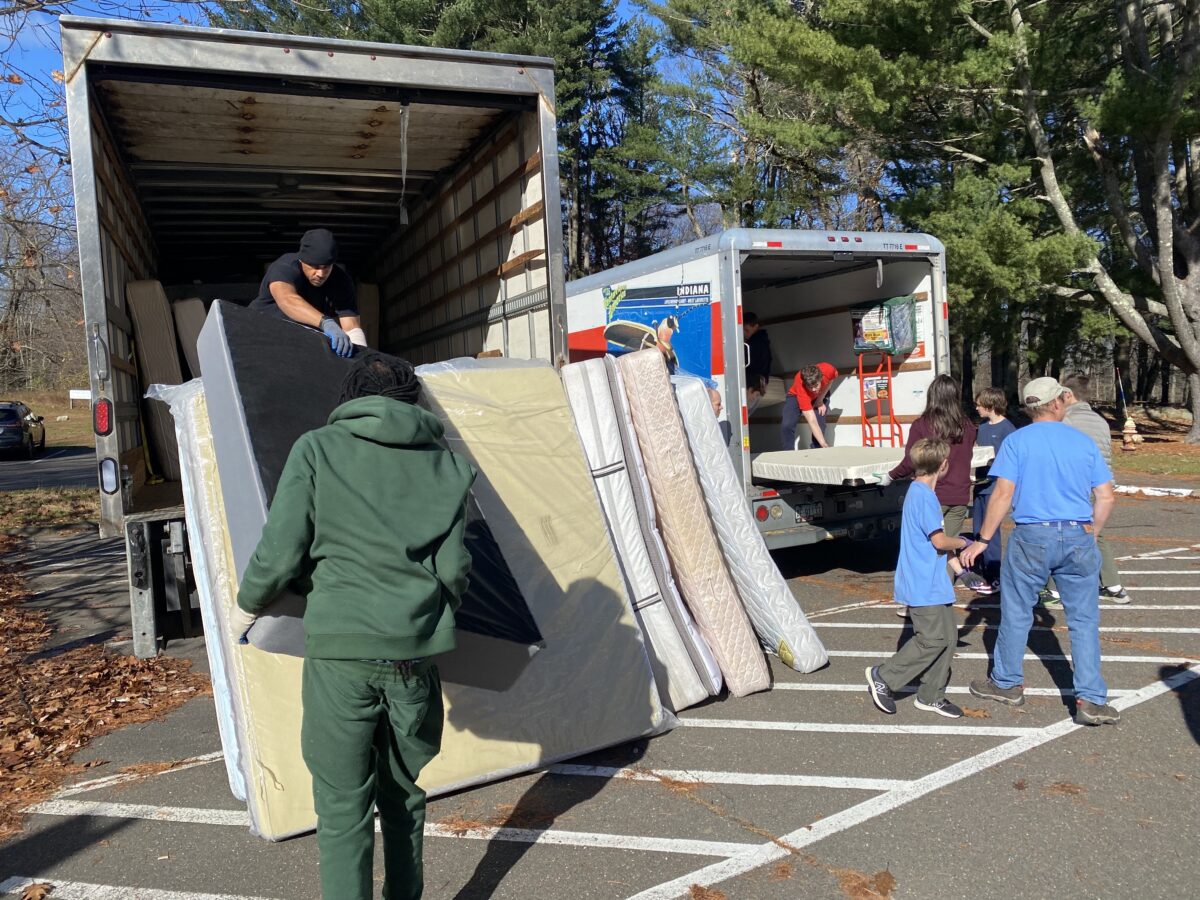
[21, 431]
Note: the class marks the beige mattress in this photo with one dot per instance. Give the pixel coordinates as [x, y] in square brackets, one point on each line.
[189, 319]
[836, 465]
[696, 558]
[158, 362]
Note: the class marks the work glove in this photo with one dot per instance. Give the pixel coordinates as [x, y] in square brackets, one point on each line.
[339, 341]
[239, 624]
[885, 479]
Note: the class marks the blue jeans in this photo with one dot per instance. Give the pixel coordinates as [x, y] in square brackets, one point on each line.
[988, 565]
[790, 420]
[1034, 553]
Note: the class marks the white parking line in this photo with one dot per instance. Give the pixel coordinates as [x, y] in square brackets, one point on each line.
[1153, 554]
[853, 688]
[1048, 657]
[1158, 572]
[42, 459]
[96, 784]
[900, 624]
[882, 604]
[84, 890]
[802, 837]
[839, 728]
[238, 817]
[1128, 588]
[748, 779]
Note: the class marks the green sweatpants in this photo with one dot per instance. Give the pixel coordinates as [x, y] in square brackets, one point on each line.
[368, 730]
[926, 655]
[1108, 565]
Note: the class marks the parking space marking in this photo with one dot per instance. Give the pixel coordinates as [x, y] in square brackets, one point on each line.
[852, 688]
[1160, 588]
[96, 784]
[1116, 628]
[1153, 554]
[1029, 657]
[749, 779]
[83, 890]
[241, 818]
[839, 728]
[1158, 572]
[783, 847]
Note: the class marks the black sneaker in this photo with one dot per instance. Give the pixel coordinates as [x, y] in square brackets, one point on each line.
[973, 582]
[1116, 595]
[881, 694]
[1089, 713]
[942, 707]
[987, 690]
[1048, 597]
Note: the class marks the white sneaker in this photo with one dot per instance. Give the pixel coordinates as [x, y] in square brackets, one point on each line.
[902, 611]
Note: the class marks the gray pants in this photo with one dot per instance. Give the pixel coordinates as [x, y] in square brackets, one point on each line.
[1108, 565]
[927, 653]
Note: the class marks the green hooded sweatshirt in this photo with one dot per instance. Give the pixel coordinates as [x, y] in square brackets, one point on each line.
[368, 522]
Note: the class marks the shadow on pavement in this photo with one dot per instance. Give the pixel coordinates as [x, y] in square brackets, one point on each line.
[1189, 699]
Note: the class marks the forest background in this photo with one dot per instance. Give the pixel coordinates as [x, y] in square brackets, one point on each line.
[1052, 145]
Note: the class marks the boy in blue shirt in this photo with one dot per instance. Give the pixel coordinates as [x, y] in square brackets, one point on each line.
[991, 405]
[923, 584]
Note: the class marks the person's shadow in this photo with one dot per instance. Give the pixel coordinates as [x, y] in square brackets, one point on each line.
[1188, 693]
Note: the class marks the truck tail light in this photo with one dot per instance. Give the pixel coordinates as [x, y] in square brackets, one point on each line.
[110, 476]
[761, 513]
[102, 419]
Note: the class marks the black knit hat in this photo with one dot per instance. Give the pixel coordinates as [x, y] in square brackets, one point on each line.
[318, 247]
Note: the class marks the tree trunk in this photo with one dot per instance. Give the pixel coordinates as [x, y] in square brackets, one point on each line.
[1193, 436]
[968, 374]
[1121, 355]
[1145, 377]
[956, 355]
[1165, 375]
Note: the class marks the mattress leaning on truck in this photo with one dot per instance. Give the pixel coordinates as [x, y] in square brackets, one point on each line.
[591, 402]
[683, 520]
[837, 465]
[776, 616]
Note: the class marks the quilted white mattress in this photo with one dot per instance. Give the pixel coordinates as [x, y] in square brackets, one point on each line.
[702, 656]
[596, 419]
[776, 616]
[683, 519]
[835, 465]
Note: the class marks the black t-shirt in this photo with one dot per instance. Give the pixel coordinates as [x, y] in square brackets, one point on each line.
[335, 298]
[759, 363]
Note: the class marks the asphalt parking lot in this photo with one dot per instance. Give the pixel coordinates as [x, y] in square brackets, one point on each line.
[804, 791]
[53, 467]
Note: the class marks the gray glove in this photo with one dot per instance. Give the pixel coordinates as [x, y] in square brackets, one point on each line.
[339, 341]
[240, 622]
[885, 479]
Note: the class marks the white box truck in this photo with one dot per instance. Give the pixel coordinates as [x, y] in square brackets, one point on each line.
[804, 287]
[200, 155]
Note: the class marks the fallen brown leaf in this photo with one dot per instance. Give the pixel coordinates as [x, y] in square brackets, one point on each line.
[972, 713]
[39, 891]
[1020, 784]
[782, 871]
[1064, 789]
[699, 892]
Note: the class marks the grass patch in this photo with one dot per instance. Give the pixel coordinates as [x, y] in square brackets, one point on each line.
[48, 507]
[1159, 458]
[76, 431]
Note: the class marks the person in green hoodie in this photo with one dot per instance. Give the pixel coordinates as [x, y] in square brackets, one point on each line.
[368, 521]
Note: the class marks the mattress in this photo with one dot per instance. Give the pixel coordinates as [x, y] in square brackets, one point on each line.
[158, 361]
[696, 559]
[189, 319]
[552, 627]
[776, 616]
[836, 465]
[587, 388]
[703, 660]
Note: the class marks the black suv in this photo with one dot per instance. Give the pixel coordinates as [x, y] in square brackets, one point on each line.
[20, 429]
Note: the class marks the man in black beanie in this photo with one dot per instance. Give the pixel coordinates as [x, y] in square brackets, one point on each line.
[308, 288]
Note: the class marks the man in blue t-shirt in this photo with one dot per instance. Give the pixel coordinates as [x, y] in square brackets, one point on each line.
[1061, 494]
[923, 585]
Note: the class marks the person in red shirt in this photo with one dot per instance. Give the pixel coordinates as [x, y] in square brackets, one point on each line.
[806, 398]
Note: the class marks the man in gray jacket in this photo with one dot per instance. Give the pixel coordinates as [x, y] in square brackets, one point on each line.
[1080, 416]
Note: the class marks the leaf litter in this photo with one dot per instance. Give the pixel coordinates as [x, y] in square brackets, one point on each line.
[53, 704]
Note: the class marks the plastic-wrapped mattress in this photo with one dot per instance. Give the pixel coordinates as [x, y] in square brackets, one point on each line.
[683, 520]
[835, 465]
[591, 402]
[776, 616]
[550, 628]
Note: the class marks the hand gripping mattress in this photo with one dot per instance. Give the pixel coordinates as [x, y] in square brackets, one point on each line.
[703, 660]
[683, 519]
[835, 465]
[535, 492]
[587, 389]
[773, 610]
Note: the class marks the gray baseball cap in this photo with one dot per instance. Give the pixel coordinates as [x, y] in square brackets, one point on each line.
[1041, 391]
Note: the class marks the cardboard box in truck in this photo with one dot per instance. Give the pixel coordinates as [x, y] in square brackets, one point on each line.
[808, 289]
[201, 155]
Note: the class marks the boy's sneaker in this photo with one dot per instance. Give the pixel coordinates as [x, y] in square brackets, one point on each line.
[1115, 594]
[1089, 713]
[902, 611]
[942, 707]
[1049, 598]
[881, 694]
[973, 582]
[986, 689]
